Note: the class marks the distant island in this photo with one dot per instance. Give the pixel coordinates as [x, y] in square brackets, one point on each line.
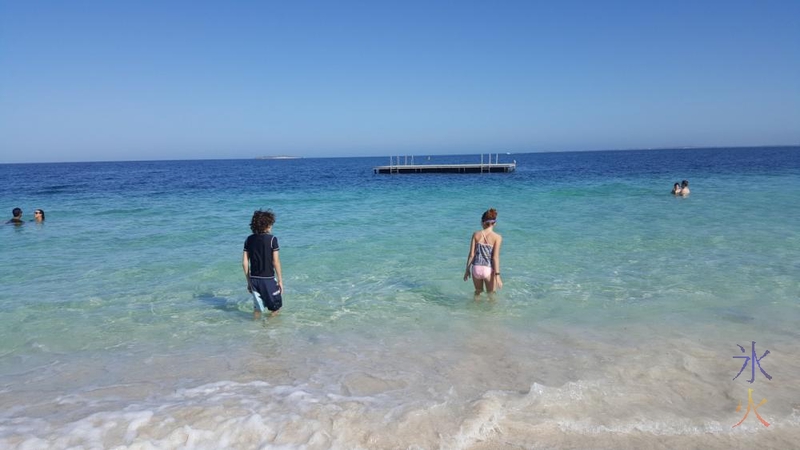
[279, 157]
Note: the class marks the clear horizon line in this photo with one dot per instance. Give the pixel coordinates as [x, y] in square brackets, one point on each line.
[418, 154]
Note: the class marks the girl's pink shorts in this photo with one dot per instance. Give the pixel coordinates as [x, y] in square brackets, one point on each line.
[481, 272]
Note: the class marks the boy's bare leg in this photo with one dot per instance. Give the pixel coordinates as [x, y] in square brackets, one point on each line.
[256, 314]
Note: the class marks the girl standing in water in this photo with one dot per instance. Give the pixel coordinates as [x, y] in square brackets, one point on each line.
[483, 262]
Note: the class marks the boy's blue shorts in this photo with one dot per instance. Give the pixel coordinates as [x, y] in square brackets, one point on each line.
[266, 294]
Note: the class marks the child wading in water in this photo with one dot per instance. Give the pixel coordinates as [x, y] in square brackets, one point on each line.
[262, 266]
[483, 262]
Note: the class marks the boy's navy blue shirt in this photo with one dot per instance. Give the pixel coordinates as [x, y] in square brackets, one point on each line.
[259, 248]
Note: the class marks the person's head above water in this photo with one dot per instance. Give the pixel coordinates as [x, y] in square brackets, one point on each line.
[685, 183]
[16, 212]
[38, 215]
[489, 217]
[262, 221]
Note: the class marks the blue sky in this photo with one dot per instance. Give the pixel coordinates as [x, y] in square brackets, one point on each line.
[90, 80]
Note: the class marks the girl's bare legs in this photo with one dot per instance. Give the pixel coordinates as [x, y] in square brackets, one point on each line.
[478, 287]
[490, 288]
[490, 284]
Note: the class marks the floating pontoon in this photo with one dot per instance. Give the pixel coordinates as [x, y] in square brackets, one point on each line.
[395, 166]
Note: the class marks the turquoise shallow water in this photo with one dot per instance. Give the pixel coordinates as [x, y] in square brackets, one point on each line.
[126, 321]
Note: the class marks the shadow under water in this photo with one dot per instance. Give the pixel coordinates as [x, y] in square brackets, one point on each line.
[220, 303]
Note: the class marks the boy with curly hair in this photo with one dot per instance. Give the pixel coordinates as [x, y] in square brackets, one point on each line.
[262, 265]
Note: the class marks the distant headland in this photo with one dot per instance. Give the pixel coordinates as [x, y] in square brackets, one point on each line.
[279, 157]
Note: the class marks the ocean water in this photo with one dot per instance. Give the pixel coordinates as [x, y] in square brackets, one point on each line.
[125, 320]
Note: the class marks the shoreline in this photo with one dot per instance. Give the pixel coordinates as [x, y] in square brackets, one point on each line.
[552, 387]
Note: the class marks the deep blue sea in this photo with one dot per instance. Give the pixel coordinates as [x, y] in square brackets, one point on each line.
[626, 312]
